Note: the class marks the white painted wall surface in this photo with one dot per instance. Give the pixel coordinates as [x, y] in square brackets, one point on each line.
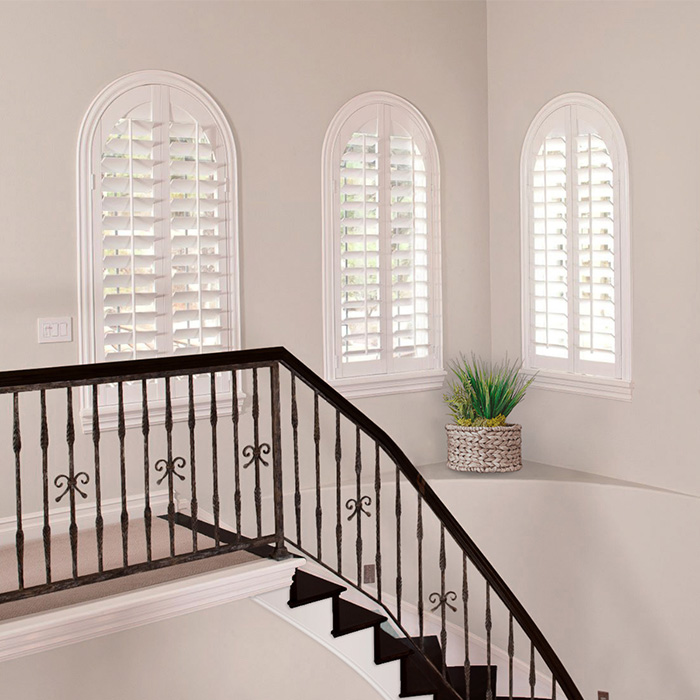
[238, 650]
[639, 58]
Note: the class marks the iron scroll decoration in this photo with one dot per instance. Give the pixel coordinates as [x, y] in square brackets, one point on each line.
[256, 455]
[170, 467]
[443, 601]
[71, 483]
[357, 506]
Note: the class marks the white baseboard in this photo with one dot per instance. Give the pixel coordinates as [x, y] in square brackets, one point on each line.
[78, 623]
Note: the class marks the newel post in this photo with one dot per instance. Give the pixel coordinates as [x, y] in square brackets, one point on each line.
[280, 550]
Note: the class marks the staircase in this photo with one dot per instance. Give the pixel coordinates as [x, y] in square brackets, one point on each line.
[418, 677]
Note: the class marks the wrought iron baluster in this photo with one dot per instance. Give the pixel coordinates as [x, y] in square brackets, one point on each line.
[443, 600]
[236, 456]
[378, 518]
[277, 490]
[419, 537]
[338, 522]
[17, 447]
[359, 501]
[213, 420]
[317, 462]
[169, 471]
[121, 429]
[397, 511]
[488, 625]
[554, 688]
[99, 520]
[465, 606]
[256, 441]
[533, 677]
[145, 431]
[70, 441]
[191, 423]
[46, 530]
[511, 654]
[297, 487]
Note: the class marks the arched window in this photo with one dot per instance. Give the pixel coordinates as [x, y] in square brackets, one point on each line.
[157, 216]
[382, 292]
[575, 245]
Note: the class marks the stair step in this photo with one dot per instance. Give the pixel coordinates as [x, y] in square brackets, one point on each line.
[430, 648]
[415, 678]
[388, 648]
[348, 617]
[478, 680]
[307, 588]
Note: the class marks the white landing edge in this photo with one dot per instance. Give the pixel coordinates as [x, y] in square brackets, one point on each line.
[77, 623]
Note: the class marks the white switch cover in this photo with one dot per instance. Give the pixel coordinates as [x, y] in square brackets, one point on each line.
[55, 330]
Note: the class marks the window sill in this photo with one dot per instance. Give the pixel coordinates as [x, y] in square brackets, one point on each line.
[385, 384]
[582, 384]
[133, 413]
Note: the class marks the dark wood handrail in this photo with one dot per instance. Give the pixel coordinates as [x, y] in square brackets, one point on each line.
[132, 370]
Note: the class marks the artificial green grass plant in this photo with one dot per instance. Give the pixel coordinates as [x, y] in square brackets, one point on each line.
[484, 394]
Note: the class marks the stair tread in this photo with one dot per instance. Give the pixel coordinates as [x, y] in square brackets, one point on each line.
[430, 648]
[390, 648]
[348, 617]
[414, 677]
[307, 588]
[478, 680]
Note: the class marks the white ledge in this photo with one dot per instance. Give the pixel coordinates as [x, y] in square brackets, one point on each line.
[582, 384]
[384, 384]
[77, 623]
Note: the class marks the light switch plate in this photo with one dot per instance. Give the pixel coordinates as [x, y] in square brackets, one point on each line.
[55, 330]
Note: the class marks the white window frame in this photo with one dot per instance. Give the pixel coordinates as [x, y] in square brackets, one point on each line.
[620, 386]
[88, 240]
[365, 384]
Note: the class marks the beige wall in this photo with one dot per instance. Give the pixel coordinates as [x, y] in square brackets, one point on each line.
[199, 655]
[640, 59]
[280, 70]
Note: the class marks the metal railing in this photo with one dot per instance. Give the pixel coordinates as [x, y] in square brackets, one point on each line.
[353, 498]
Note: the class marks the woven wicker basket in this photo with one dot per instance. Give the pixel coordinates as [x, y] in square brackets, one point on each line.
[471, 449]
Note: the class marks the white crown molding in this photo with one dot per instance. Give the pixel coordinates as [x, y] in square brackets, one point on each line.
[78, 623]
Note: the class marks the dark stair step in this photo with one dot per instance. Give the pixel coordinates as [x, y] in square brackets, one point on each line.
[430, 648]
[478, 680]
[348, 617]
[416, 677]
[389, 648]
[307, 588]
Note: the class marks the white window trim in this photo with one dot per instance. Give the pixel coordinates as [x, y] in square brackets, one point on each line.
[86, 240]
[391, 383]
[619, 388]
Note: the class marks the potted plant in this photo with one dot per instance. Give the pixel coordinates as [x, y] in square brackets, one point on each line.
[481, 397]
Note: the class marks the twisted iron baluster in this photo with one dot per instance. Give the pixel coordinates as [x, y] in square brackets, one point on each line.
[399, 579]
[419, 536]
[46, 531]
[465, 605]
[511, 654]
[378, 503]
[533, 677]
[488, 625]
[256, 441]
[70, 441]
[169, 472]
[443, 599]
[99, 520]
[280, 551]
[237, 460]
[145, 431]
[338, 522]
[554, 688]
[317, 456]
[358, 476]
[121, 429]
[297, 486]
[17, 447]
[191, 423]
[213, 420]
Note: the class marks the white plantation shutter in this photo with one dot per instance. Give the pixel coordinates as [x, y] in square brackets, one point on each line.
[576, 283]
[157, 164]
[382, 232]
[162, 266]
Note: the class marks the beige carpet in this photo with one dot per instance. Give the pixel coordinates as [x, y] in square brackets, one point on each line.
[35, 574]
